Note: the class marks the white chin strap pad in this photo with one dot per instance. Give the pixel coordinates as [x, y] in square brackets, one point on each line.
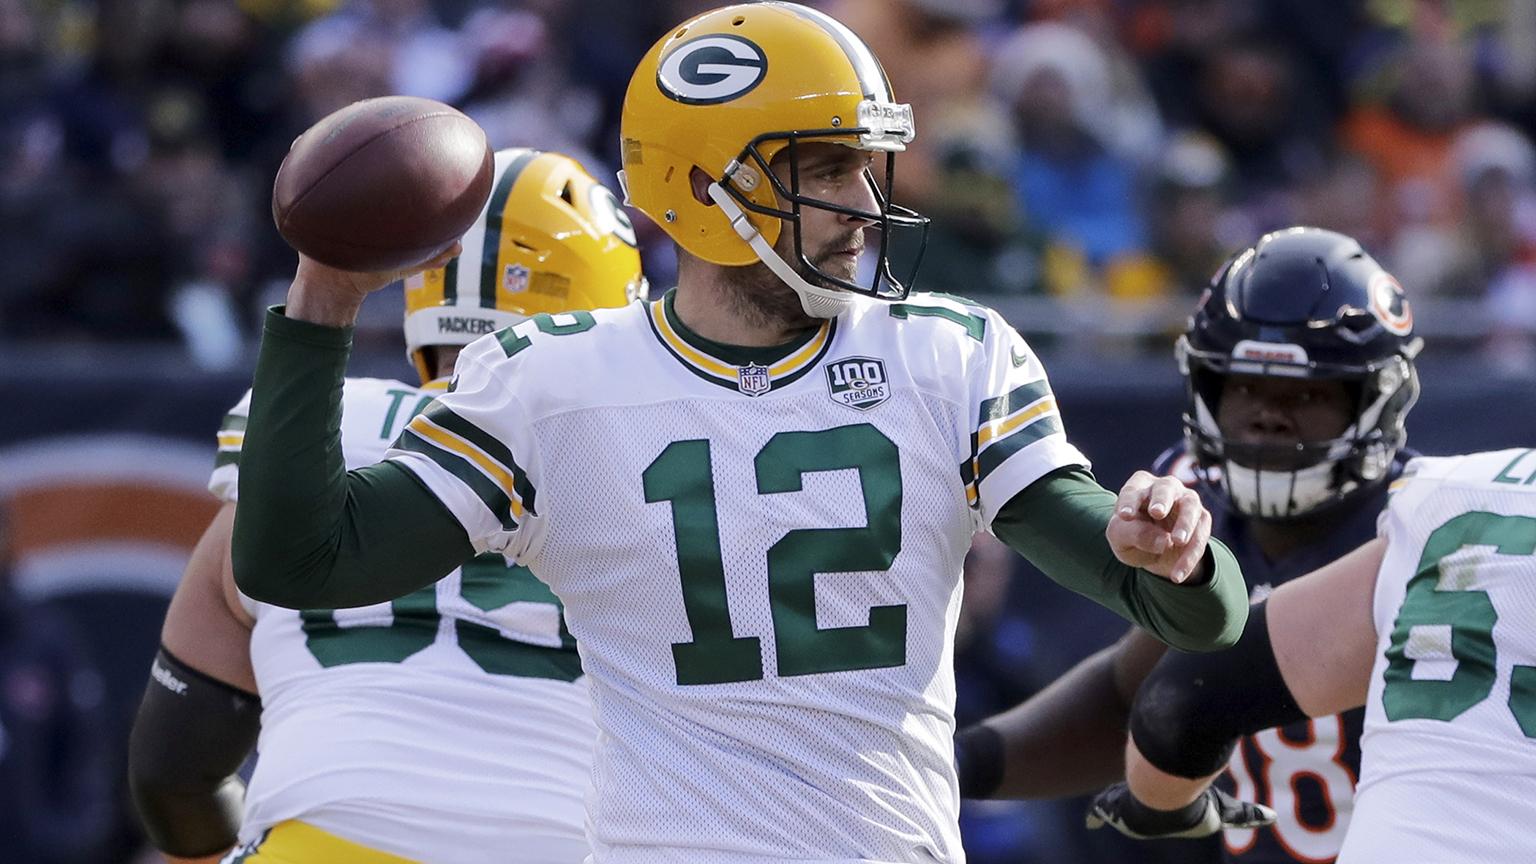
[817, 302]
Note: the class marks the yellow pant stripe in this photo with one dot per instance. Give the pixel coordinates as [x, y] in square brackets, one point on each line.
[298, 843]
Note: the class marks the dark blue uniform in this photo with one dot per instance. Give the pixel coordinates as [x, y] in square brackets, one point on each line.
[1306, 771]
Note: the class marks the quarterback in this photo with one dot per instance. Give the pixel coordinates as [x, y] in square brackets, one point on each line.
[450, 725]
[753, 496]
[1431, 626]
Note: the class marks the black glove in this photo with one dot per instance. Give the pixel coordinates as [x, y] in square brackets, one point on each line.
[1213, 811]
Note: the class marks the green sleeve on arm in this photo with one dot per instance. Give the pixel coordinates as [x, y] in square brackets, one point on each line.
[308, 533]
[1058, 524]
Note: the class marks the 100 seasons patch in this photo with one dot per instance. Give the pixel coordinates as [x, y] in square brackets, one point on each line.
[858, 382]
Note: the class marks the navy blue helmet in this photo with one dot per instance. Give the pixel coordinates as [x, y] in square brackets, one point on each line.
[1301, 303]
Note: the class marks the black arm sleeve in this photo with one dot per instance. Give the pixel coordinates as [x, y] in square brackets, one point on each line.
[190, 737]
[308, 533]
[1193, 707]
[979, 759]
[1058, 523]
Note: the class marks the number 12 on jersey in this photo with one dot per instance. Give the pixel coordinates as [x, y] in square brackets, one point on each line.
[682, 476]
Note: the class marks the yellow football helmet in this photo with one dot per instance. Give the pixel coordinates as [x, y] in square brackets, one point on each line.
[552, 239]
[729, 90]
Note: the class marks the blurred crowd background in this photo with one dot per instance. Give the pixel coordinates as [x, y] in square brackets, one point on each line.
[1087, 164]
[1100, 155]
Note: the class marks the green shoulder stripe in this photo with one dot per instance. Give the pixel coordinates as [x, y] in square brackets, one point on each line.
[998, 451]
[440, 414]
[484, 487]
[999, 407]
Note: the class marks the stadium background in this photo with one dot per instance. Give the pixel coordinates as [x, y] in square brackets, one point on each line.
[1087, 164]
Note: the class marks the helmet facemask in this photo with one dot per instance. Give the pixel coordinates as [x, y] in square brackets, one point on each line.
[826, 294]
[1279, 482]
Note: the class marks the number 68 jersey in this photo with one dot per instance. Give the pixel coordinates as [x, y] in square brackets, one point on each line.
[1448, 769]
[451, 725]
[759, 553]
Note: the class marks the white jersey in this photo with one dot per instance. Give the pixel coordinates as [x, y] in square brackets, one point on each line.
[759, 554]
[1448, 769]
[451, 725]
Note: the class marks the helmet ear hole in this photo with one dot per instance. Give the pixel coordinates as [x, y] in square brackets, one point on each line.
[566, 194]
[700, 180]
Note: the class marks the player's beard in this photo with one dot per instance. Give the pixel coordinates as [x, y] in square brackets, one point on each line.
[763, 299]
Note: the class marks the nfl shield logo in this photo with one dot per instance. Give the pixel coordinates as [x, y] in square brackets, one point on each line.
[515, 279]
[753, 379]
[858, 382]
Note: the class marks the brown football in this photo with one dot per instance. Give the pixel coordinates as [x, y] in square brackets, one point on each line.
[383, 184]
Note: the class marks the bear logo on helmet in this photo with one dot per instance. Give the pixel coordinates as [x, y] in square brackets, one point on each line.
[1390, 305]
[711, 69]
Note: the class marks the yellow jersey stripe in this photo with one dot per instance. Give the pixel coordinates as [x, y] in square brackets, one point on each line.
[797, 360]
[451, 442]
[705, 363]
[231, 439]
[686, 351]
[298, 841]
[999, 429]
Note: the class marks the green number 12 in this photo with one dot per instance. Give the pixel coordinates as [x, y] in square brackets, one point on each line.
[682, 476]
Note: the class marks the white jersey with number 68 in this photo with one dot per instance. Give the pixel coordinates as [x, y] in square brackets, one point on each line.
[1448, 771]
[452, 725]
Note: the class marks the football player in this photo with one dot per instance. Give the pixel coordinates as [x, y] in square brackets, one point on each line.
[753, 496]
[448, 723]
[1299, 370]
[1431, 626]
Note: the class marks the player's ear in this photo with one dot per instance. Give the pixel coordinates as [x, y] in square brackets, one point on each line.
[700, 183]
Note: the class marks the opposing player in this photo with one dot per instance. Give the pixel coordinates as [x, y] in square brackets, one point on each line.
[754, 495]
[1299, 364]
[1431, 626]
[440, 727]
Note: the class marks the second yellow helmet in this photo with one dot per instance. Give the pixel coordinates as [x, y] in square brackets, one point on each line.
[552, 239]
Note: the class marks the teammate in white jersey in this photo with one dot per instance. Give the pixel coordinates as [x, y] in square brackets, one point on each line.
[754, 495]
[452, 725]
[1431, 626]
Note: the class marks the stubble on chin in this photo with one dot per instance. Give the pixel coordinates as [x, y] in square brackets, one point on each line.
[764, 300]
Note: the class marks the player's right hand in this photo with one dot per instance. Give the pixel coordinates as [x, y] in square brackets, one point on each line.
[325, 295]
[1213, 811]
[1160, 526]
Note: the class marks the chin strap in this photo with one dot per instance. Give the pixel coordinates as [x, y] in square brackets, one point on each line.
[817, 302]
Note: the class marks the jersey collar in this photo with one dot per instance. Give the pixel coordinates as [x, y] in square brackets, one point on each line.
[753, 371]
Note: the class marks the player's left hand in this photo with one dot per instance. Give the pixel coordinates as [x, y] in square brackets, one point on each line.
[1160, 526]
[1213, 811]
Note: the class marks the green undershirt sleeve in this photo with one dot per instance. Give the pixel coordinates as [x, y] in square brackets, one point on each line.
[308, 533]
[1058, 523]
